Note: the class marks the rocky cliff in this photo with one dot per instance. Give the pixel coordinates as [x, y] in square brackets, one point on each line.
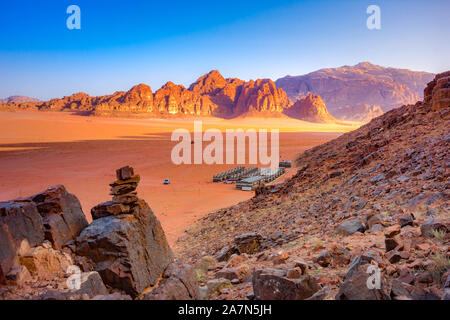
[347, 88]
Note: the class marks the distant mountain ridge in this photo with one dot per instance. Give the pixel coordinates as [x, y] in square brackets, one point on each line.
[359, 92]
[210, 95]
[18, 99]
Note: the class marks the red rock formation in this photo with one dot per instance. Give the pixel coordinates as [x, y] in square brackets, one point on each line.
[210, 95]
[210, 83]
[176, 99]
[437, 92]
[310, 108]
[261, 96]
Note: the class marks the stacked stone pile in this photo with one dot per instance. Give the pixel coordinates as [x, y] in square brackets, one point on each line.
[124, 195]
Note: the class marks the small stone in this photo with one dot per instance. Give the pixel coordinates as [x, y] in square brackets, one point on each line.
[390, 243]
[406, 220]
[324, 258]
[18, 276]
[349, 227]
[216, 285]
[392, 231]
[393, 256]
[124, 173]
[294, 273]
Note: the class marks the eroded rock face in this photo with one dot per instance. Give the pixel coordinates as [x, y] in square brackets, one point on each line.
[61, 213]
[437, 92]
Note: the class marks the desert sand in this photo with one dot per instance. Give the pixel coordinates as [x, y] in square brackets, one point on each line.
[40, 149]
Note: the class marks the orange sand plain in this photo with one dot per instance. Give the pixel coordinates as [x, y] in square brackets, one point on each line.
[38, 150]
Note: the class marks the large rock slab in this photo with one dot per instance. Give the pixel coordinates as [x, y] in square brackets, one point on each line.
[62, 215]
[129, 251]
[20, 225]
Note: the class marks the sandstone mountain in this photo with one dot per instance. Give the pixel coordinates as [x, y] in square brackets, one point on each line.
[310, 108]
[210, 95]
[365, 88]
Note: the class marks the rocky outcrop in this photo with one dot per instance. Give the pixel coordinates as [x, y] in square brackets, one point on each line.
[310, 108]
[178, 282]
[177, 100]
[129, 247]
[261, 97]
[62, 216]
[437, 92]
[45, 262]
[346, 88]
[21, 227]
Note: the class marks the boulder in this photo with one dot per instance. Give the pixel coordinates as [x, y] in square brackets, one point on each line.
[129, 251]
[91, 284]
[239, 273]
[179, 282]
[268, 285]
[406, 219]
[18, 276]
[433, 224]
[355, 285]
[61, 213]
[349, 227]
[20, 225]
[46, 262]
[216, 285]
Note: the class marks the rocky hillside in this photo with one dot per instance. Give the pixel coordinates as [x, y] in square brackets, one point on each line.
[210, 95]
[365, 88]
[377, 196]
[310, 108]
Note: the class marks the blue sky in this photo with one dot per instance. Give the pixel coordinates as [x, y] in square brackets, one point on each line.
[123, 43]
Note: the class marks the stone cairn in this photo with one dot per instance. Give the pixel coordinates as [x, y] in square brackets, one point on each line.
[124, 195]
